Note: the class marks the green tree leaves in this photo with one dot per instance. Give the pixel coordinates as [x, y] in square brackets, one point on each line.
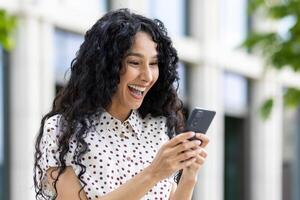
[279, 51]
[266, 108]
[292, 97]
[7, 25]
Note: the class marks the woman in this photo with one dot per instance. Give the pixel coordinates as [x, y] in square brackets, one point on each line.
[112, 130]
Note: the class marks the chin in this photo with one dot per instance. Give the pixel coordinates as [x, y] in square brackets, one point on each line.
[135, 106]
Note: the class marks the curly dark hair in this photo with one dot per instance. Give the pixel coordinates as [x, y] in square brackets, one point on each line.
[95, 75]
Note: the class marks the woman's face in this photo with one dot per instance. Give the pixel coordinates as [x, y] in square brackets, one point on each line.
[138, 74]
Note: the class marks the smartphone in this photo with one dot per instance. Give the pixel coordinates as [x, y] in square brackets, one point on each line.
[199, 120]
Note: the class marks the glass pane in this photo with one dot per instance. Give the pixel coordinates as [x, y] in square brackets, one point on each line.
[175, 17]
[182, 90]
[235, 94]
[291, 158]
[66, 46]
[1, 126]
[1, 108]
[296, 171]
[83, 6]
[103, 5]
[236, 159]
[233, 18]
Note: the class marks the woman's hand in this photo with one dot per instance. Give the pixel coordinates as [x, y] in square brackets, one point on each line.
[190, 172]
[176, 154]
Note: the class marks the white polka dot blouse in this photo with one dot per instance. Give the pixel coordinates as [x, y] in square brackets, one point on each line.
[117, 151]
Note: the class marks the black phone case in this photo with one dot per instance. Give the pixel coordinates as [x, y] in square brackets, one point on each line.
[199, 120]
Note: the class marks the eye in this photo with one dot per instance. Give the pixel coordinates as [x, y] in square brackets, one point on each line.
[153, 63]
[134, 63]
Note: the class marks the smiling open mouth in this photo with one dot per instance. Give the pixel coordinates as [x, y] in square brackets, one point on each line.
[137, 91]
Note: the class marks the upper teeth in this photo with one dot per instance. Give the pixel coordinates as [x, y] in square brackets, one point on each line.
[142, 89]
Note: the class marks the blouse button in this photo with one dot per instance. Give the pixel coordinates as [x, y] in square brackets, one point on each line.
[122, 135]
[128, 158]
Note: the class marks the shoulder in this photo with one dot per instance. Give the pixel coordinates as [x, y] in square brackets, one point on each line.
[54, 125]
[158, 120]
[148, 121]
[53, 120]
[157, 125]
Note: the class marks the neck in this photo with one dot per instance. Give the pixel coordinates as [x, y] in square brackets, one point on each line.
[118, 112]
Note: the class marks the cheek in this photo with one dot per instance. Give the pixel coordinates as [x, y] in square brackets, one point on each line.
[122, 85]
[155, 75]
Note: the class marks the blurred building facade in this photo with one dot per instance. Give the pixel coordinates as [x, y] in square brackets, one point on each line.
[249, 159]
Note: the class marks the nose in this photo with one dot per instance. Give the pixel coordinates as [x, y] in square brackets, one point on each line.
[146, 74]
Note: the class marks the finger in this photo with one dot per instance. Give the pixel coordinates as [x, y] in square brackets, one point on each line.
[186, 145]
[200, 160]
[204, 139]
[187, 155]
[203, 153]
[180, 138]
[186, 163]
[195, 165]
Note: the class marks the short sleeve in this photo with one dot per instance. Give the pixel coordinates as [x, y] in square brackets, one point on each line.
[49, 154]
[49, 143]
[49, 149]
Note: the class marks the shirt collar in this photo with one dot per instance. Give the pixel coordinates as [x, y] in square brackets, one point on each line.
[134, 121]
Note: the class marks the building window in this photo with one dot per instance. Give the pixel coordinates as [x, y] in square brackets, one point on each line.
[235, 94]
[237, 146]
[234, 23]
[104, 5]
[82, 6]
[66, 44]
[291, 157]
[173, 13]
[236, 158]
[182, 87]
[1, 126]
[4, 173]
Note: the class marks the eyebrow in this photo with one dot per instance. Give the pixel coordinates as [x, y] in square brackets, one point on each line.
[138, 55]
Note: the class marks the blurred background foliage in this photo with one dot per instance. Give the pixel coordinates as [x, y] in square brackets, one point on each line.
[279, 49]
[7, 26]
